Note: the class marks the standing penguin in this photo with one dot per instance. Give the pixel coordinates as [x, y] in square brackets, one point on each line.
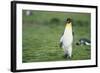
[67, 39]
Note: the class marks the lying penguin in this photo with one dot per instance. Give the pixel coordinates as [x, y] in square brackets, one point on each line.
[83, 41]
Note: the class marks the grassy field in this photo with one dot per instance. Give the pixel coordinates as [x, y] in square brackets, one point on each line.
[42, 32]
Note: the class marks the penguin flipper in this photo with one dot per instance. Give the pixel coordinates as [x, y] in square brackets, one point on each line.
[60, 45]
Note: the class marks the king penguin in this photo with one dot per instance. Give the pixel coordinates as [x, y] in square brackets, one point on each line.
[67, 39]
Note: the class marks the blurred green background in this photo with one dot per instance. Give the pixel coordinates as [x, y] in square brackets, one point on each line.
[41, 32]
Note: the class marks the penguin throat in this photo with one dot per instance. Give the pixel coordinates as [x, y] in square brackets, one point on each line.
[68, 26]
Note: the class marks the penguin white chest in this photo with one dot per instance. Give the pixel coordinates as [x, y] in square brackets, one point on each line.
[67, 38]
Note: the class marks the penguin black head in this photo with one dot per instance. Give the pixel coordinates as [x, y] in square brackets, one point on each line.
[69, 20]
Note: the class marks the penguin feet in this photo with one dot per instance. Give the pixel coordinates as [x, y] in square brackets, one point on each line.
[67, 56]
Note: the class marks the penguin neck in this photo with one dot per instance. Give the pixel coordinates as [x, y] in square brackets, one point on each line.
[68, 26]
[68, 29]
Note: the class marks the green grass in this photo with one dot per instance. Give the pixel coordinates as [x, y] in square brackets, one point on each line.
[40, 38]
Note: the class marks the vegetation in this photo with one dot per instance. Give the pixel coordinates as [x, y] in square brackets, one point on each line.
[42, 32]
